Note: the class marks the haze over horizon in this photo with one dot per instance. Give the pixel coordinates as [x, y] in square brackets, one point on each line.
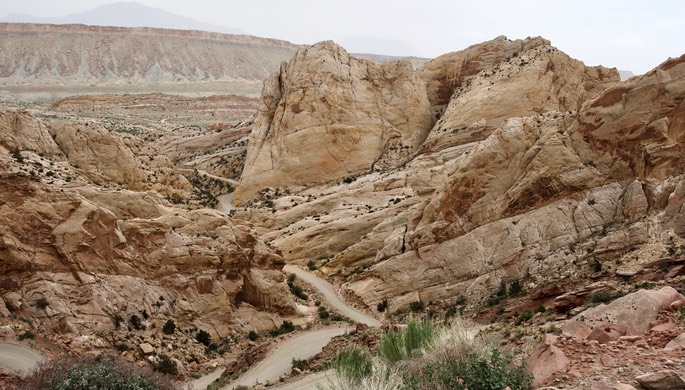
[634, 36]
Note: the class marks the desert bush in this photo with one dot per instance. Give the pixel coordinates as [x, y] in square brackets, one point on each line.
[417, 306]
[135, 322]
[382, 305]
[169, 327]
[400, 345]
[203, 337]
[492, 369]
[26, 335]
[166, 365]
[323, 313]
[352, 365]
[252, 336]
[88, 372]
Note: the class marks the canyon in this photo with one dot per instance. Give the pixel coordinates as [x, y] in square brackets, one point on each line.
[421, 189]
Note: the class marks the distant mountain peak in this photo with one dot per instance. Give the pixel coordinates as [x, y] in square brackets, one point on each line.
[125, 14]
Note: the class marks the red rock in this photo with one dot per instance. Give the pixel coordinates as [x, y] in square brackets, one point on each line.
[676, 343]
[547, 360]
[662, 380]
[677, 304]
[607, 332]
[607, 360]
[631, 339]
[664, 327]
[577, 329]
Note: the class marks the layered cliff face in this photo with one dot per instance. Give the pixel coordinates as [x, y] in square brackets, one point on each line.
[512, 79]
[80, 55]
[546, 198]
[326, 115]
[540, 170]
[94, 253]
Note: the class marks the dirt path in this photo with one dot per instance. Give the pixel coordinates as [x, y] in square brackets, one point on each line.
[19, 358]
[332, 297]
[278, 362]
[303, 345]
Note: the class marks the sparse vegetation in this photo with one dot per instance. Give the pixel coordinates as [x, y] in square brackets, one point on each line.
[382, 305]
[169, 327]
[26, 335]
[423, 357]
[135, 322]
[203, 337]
[88, 372]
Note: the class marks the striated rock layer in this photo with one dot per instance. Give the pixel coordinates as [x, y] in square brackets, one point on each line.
[326, 115]
[540, 170]
[546, 198]
[76, 257]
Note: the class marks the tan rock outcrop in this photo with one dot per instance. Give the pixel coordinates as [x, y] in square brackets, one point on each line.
[544, 194]
[101, 156]
[539, 79]
[91, 267]
[327, 115]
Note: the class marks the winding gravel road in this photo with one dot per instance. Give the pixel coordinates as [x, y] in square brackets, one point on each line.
[19, 358]
[301, 346]
[331, 296]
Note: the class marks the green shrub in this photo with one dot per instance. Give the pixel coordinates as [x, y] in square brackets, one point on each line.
[26, 335]
[252, 336]
[169, 327]
[88, 372]
[166, 365]
[417, 306]
[400, 345]
[42, 303]
[135, 322]
[352, 365]
[286, 327]
[523, 317]
[476, 370]
[311, 264]
[515, 289]
[203, 337]
[323, 313]
[382, 305]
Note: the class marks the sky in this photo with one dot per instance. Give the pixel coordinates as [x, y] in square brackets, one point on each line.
[630, 35]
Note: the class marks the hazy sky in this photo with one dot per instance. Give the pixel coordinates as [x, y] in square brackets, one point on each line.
[630, 35]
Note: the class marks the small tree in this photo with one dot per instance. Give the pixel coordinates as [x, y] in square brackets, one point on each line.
[135, 322]
[253, 335]
[169, 327]
[203, 337]
[166, 365]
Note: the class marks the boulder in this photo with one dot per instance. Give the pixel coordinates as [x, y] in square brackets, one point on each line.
[606, 332]
[635, 310]
[146, 349]
[676, 344]
[547, 360]
[662, 380]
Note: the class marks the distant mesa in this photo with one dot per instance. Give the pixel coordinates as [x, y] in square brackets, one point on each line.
[125, 14]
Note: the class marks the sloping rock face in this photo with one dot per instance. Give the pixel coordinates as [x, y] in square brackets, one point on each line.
[77, 258]
[81, 55]
[546, 198]
[512, 79]
[447, 73]
[327, 115]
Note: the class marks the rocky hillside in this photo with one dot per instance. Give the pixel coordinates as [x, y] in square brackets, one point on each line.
[81, 55]
[89, 238]
[538, 170]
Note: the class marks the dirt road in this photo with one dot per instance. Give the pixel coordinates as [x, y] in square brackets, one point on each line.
[19, 358]
[301, 346]
[332, 297]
